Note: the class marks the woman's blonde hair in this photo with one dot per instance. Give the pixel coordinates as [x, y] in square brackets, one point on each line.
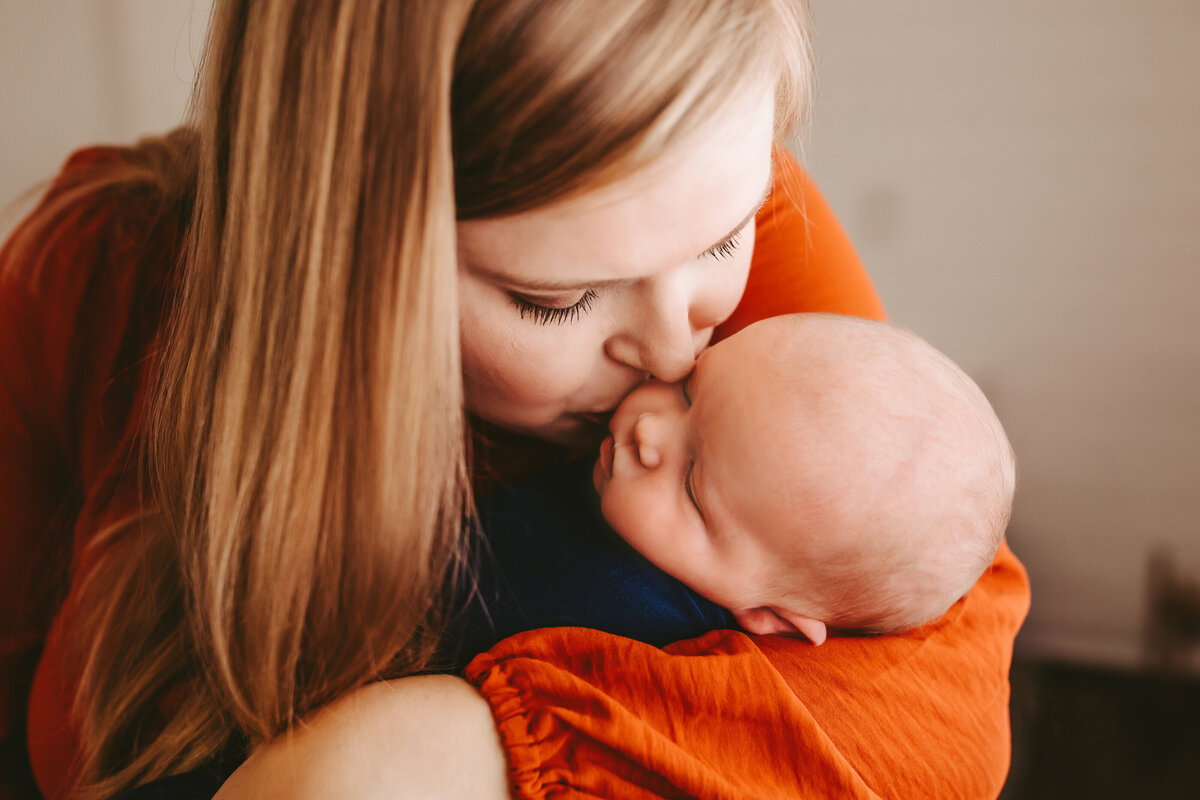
[305, 468]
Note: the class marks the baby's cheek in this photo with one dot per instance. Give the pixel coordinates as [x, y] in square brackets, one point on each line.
[636, 514]
[615, 506]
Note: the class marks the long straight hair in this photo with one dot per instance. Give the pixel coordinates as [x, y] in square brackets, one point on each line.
[304, 463]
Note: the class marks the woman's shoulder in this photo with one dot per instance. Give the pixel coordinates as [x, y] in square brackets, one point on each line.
[82, 281]
[422, 736]
[104, 209]
[803, 259]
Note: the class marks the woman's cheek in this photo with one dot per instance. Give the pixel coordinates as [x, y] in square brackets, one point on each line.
[506, 371]
[723, 287]
[515, 372]
[739, 274]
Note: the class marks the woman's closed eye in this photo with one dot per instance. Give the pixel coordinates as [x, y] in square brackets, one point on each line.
[727, 248]
[544, 314]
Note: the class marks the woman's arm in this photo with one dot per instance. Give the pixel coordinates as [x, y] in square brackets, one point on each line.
[35, 488]
[64, 302]
[420, 737]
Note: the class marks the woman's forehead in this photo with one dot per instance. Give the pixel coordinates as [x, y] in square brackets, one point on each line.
[666, 215]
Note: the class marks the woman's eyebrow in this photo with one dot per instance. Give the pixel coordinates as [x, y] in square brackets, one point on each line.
[766, 195]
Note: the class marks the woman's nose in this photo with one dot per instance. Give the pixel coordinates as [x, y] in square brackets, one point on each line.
[660, 338]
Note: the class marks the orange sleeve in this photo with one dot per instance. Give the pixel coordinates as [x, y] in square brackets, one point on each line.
[803, 260]
[38, 477]
[586, 714]
[69, 338]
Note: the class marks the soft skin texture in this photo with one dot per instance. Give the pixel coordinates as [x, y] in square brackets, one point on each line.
[566, 308]
[813, 471]
[688, 479]
[339, 747]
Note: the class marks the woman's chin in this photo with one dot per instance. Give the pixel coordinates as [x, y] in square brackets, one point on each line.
[577, 433]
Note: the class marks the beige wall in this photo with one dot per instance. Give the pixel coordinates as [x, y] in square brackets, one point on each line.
[1023, 181]
[1020, 177]
[74, 72]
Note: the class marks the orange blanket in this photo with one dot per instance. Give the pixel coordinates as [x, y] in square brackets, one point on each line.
[924, 715]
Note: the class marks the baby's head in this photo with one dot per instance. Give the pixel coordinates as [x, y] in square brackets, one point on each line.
[815, 472]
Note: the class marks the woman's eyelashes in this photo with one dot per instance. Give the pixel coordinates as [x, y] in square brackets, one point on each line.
[557, 315]
[544, 314]
[725, 249]
[729, 247]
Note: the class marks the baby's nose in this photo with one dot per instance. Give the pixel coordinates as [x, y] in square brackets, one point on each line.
[647, 436]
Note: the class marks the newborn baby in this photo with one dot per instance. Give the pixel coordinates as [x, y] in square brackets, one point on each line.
[815, 473]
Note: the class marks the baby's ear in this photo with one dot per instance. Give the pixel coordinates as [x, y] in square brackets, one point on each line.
[765, 621]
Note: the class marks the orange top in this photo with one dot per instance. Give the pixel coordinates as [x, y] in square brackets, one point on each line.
[580, 712]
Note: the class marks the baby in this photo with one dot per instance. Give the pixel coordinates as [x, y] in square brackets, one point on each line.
[814, 474]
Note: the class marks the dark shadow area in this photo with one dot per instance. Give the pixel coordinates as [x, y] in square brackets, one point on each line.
[1097, 733]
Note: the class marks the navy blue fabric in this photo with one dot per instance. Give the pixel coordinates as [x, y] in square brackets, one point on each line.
[549, 559]
[199, 784]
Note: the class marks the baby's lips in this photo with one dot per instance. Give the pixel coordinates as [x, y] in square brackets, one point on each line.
[602, 472]
[607, 448]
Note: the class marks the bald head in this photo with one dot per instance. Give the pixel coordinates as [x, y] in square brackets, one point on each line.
[891, 466]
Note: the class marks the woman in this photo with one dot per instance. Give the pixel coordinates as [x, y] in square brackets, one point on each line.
[386, 215]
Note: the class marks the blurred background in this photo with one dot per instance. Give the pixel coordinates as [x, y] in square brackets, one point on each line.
[1022, 180]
